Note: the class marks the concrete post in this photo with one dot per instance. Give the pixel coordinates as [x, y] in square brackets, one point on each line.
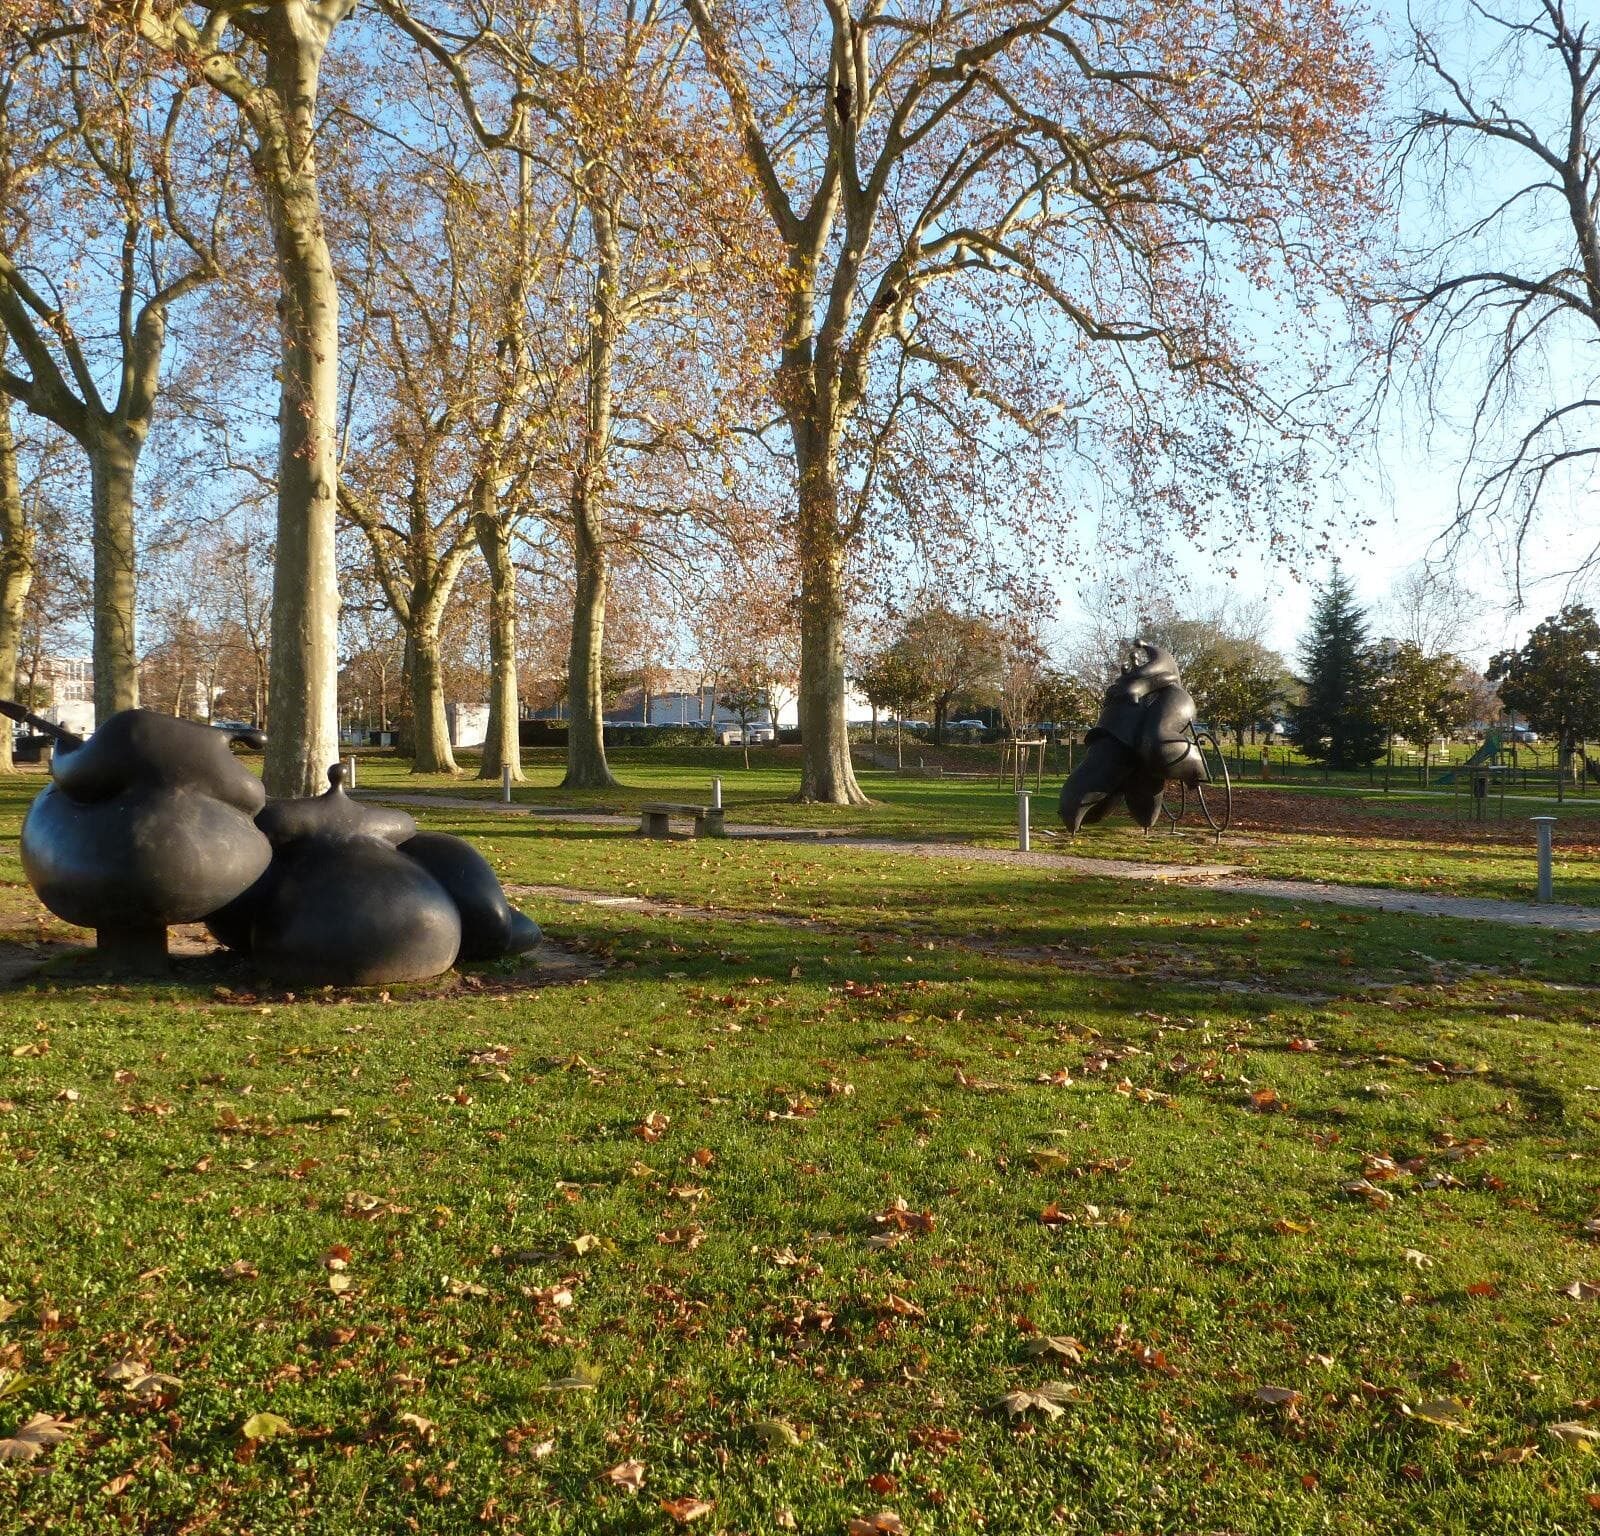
[1022, 819]
[505, 783]
[350, 777]
[716, 794]
[1545, 824]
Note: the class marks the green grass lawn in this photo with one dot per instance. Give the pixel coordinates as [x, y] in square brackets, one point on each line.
[1302, 835]
[655, 1218]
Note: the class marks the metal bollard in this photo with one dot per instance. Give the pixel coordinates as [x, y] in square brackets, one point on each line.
[1545, 824]
[1022, 819]
[350, 776]
[716, 794]
[505, 783]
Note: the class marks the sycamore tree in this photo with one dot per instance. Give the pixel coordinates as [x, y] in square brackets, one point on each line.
[639, 327]
[115, 187]
[264, 59]
[1013, 227]
[17, 542]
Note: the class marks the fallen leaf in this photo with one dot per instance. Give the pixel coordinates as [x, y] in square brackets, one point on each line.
[1058, 1345]
[38, 1434]
[265, 1426]
[239, 1269]
[1444, 1412]
[774, 1433]
[1278, 1397]
[579, 1381]
[885, 1523]
[1417, 1258]
[1046, 1400]
[1581, 1290]
[1577, 1435]
[687, 1508]
[415, 1422]
[628, 1475]
[653, 1127]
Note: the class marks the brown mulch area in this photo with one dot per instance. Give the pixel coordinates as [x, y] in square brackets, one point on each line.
[1258, 809]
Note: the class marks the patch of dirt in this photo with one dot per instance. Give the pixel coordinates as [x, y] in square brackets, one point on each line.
[1260, 809]
[198, 961]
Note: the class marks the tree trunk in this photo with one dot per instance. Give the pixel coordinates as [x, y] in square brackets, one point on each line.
[586, 743]
[113, 458]
[826, 773]
[431, 753]
[302, 705]
[16, 572]
[502, 746]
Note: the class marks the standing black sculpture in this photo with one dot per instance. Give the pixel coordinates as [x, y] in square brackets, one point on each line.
[148, 822]
[1143, 738]
[151, 821]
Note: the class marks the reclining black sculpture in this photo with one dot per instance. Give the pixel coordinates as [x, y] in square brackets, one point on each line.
[356, 896]
[1142, 739]
[151, 821]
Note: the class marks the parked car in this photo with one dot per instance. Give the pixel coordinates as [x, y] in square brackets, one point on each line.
[760, 734]
[967, 725]
[729, 736]
[1524, 737]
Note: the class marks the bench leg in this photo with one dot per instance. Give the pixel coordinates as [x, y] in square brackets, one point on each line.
[709, 825]
[654, 824]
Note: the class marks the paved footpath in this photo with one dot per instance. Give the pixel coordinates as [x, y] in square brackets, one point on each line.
[1228, 879]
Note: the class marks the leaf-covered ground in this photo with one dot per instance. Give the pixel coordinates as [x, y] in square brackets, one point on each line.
[979, 1199]
[1342, 832]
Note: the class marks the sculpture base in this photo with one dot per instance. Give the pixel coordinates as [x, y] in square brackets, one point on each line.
[134, 951]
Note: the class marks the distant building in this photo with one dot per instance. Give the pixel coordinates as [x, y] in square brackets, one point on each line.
[63, 692]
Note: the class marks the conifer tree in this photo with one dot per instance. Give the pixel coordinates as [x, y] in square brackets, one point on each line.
[1337, 721]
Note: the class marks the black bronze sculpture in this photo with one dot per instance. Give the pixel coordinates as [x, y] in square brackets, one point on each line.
[1144, 739]
[148, 822]
[151, 821]
[356, 896]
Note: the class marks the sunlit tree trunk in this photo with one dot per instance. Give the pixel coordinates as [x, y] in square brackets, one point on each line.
[431, 753]
[303, 707]
[113, 460]
[586, 746]
[502, 745]
[16, 571]
[826, 772]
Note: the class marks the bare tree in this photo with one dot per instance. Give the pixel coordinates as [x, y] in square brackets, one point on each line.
[1427, 607]
[98, 133]
[266, 59]
[651, 193]
[1501, 295]
[954, 187]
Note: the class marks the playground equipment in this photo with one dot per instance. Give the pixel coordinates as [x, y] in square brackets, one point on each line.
[1488, 754]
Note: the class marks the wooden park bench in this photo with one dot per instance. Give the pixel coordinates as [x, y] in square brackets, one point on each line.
[653, 819]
